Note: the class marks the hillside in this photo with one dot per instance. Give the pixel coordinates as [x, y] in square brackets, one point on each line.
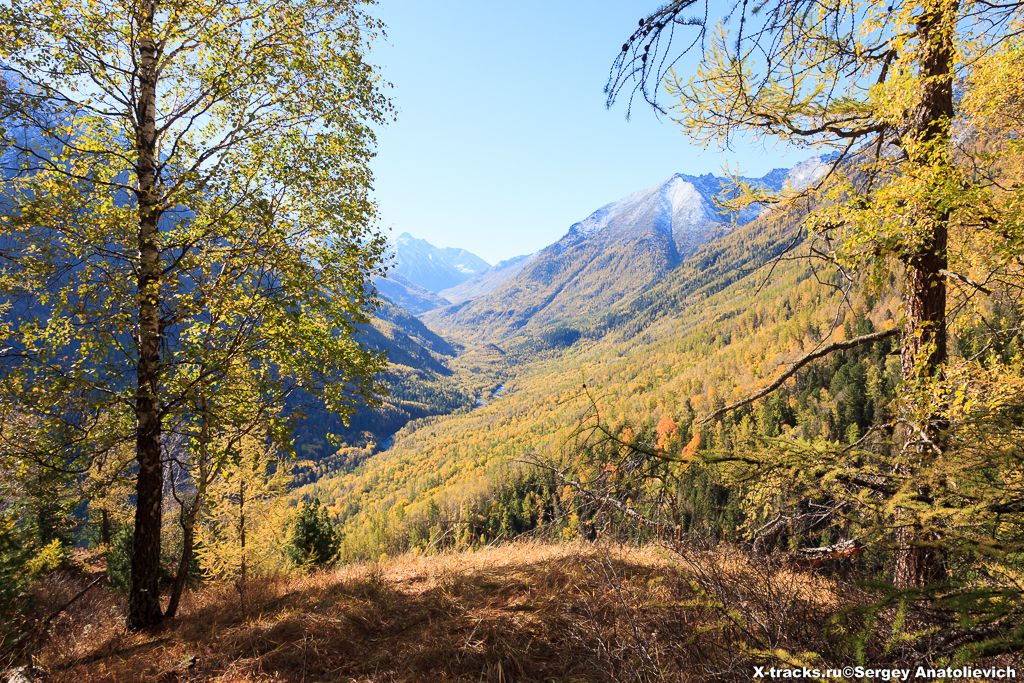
[680, 211]
[412, 298]
[618, 251]
[723, 428]
[703, 336]
[487, 281]
[527, 612]
[420, 381]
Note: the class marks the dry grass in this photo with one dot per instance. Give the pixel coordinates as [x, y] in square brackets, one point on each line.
[520, 612]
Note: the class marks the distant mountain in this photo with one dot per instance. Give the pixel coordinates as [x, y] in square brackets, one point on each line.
[433, 268]
[487, 281]
[412, 298]
[718, 325]
[619, 250]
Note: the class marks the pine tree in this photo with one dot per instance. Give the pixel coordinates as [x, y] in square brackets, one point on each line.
[313, 541]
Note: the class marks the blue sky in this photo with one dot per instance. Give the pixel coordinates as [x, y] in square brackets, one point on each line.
[502, 139]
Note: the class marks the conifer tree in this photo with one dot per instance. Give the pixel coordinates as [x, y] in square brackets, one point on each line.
[313, 540]
[907, 187]
[242, 530]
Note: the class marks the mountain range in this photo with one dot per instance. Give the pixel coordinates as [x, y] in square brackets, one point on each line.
[612, 273]
[433, 268]
[618, 250]
[487, 281]
[659, 305]
[424, 277]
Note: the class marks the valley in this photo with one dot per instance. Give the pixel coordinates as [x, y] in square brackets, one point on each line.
[676, 341]
[355, 341]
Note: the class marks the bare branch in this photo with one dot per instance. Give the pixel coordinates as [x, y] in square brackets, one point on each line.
[795, 367]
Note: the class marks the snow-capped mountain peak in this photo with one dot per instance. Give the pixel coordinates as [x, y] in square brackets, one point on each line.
[682, 206]
[433, 268]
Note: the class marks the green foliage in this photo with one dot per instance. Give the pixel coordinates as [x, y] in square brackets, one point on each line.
[119, 558]
[559, 336]
[188, 231]
[15, 555]
[23, 559]
[918, 103]
[520, 503]
[313, 540]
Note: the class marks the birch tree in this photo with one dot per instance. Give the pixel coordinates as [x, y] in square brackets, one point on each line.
[188, 185]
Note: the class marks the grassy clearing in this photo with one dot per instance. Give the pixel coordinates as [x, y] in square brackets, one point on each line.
[525, 611]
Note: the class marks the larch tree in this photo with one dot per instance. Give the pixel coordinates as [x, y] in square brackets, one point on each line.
[905, 187]
[243, 530]
[186, 186]
[227, 415]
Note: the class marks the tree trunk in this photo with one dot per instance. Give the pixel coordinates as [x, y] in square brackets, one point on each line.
[923, 354]
[205, 472]
[188, 536]
[105, 535]
[144, 595]
[241, 531]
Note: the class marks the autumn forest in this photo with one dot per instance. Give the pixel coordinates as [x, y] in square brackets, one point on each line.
[731, 427]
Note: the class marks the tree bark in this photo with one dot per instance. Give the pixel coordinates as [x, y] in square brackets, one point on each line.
[144, 594]
[923, 354]
[241, 531]
[188, 535]
[105, 535]
[205, 472]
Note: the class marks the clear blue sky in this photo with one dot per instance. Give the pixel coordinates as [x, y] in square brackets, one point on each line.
[502, 139]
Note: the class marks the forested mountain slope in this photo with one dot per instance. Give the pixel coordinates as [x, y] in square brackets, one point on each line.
[409, 296]
[720, 426]
[678, 215]
[487, 281]
[708, 333]
[419, 382]
[618, 251]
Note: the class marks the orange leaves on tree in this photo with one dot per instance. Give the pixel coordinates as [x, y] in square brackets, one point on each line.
[690, 450]
[667, 432]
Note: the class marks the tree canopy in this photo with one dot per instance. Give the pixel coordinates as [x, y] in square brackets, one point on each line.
[189, 221]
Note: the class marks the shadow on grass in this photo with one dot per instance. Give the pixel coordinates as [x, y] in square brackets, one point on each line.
[568, 617]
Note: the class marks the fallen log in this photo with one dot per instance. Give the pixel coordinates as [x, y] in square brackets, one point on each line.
[813, 558]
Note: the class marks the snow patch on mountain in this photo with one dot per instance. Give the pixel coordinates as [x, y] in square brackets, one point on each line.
[807, 172]
[682, 206]
[432, 268]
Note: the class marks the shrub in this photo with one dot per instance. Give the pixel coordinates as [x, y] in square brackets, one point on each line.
[119, 558]
[314, 540]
